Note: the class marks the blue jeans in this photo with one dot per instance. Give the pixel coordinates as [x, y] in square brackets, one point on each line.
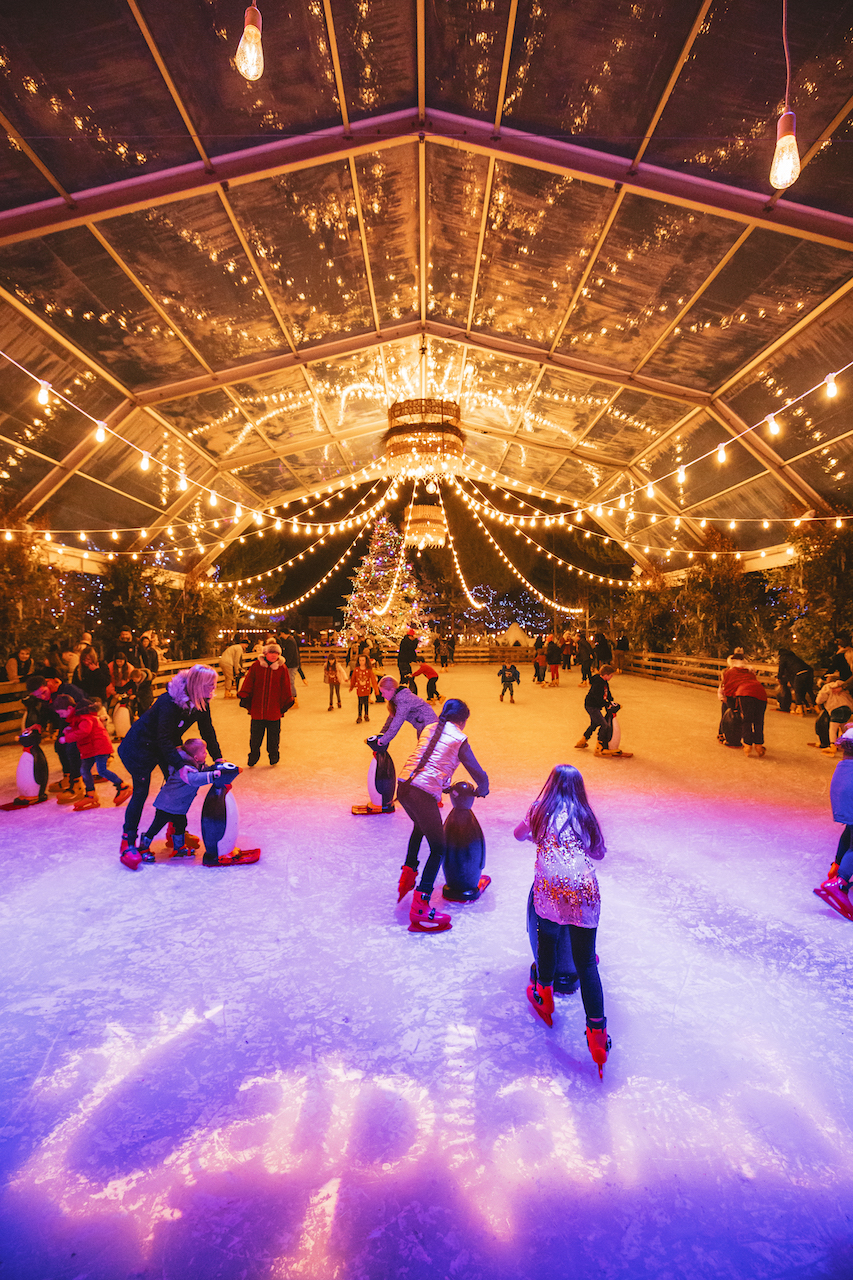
[100, 763]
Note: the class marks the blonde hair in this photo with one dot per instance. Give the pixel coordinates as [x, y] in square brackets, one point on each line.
[200, 684]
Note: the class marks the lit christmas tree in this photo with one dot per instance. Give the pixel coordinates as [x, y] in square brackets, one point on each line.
[382, 574]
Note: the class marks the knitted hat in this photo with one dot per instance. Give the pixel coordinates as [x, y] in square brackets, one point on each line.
[272, 648]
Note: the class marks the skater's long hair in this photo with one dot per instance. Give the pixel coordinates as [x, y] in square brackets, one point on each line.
[564, 795]
[454, 711]
[200, 685]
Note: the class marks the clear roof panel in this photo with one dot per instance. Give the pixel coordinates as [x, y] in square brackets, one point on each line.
[540, 230]
[495, 389]
[71, 280]
[631, 422]
[388, 185]
[213, 421]
[188, 256]
[695, 448]
[81, 506]
[770, 284]
[87, 124]
[376, 45]
[466, 45]
[303, 228]
[283, 406]
[577, 480]
[456, 184]
[267, 479]
[750, 506]
[530, 465]
[564, 405]
[608, 100]
[654, 259]
[829, 470]
[721, 119]
[19, 472]
[20, 181]
[351, 389]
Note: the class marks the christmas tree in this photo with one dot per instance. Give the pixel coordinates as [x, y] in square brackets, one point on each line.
[383, 573]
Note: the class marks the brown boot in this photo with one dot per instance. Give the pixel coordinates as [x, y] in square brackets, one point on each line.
[581, 743]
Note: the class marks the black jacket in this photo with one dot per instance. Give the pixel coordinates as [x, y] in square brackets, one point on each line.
[155, 737]
[290, 651]
[598, 695]
[553, 654]
[408, 651]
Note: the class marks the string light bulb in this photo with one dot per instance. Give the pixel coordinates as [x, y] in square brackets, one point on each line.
[785, 168]
[182, 483]
[101, 433]
[213, 499]
[682, 475]
[44, 391]
[721, 453]
[831, 388]
[772, 425]
[249, 58]
[238, 512]
[145, 461]
[650, 490]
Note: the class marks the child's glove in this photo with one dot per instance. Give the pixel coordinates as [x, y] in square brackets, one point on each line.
[226, 773]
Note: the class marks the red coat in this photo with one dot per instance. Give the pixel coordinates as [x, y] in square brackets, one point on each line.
[267, 689]
[89, 734]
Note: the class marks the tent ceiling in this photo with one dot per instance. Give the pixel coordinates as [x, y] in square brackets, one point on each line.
[565, 204]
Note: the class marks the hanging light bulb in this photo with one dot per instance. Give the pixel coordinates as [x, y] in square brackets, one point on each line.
[837, 524]
[682, 475]
[82, 537]
[182, 483]
[101, 433]
[213, 499]
[650, 490]
[249, 58]
[622, 503]
[831, 388]
[785, 168]
[145, 460]
[44, 391]
[721, 453]
[7, 535]
[772, 425]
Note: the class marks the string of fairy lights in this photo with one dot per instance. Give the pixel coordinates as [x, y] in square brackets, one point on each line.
[456, 563]
[402, 557]
[534, 591]
[280, 610]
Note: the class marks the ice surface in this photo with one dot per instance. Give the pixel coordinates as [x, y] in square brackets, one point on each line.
[259, 1072]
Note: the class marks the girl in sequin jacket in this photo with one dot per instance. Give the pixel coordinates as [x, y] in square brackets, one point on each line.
[565, 889]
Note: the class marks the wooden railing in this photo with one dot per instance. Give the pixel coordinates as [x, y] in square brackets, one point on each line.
[695, 670]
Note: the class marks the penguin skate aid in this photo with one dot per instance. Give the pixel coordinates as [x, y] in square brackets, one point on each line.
[566, 899]
[426, 774]
[404, 707]
[835, 890]
[32, 772]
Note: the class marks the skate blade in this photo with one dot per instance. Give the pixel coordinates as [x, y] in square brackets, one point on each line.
[830, 902]
[417, 927]
[22, 802]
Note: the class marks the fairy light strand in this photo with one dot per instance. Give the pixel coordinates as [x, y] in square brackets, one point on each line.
[459, 572]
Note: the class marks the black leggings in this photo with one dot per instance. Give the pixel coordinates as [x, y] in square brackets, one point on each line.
[583, 955]
[364, 705]
[586, 669]
[136, 803]
[422, 808]
[161, 817]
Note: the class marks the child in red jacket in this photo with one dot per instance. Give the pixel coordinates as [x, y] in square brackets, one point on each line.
[83, 726]
[364, 682]
[266, 694]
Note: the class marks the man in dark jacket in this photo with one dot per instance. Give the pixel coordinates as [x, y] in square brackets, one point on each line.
[290, 652]
[266, 694]
[407, 654]
[586, 655]
[598, 705]
[553, 655]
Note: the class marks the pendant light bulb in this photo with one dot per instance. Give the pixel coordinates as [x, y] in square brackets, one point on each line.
[249, 58]
[101, 433]
[146, 457]
[182, 483]
[785, 168]
[44, 391]
[721, 453]
[213, 499]
[238, 512]
[772, 425]
[831, 388]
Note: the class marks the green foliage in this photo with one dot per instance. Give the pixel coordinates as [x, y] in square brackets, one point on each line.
[136, 595]
[813, 596]
[198, 613]
[30, 596]
[379, 575]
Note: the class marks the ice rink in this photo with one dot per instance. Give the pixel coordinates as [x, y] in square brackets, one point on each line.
[259, 1072]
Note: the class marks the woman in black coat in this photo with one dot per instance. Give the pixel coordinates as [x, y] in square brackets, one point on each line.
[155, 737]
[93, 676]
[796, 679]
[601, 646]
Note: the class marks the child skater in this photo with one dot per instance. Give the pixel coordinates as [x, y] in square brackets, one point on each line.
[175, 797]
[566, 833]
[432, 694]
[332, 677]
[441, 747]
[599, 706]
[508, 676]
[83, 727]
[835, 890]
[364, 682]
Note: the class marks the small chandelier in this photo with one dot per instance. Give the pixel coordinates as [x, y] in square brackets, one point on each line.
[424, 440]
[425, 527]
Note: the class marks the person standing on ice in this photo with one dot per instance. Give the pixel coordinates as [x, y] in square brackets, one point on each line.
[407, 655]
[266, 694]
[363, 681]
[597, 704]
[427, 772]
[835, 890]
[174, 798]
[404, 706]
[567, 836]
[155, 737]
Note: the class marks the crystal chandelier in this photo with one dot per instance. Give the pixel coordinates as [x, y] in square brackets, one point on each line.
[425, 527]
[424, 440]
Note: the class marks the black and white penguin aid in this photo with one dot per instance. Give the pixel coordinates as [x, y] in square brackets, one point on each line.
[465, 847]
[32, 772]
[220, 822]
[381, 781]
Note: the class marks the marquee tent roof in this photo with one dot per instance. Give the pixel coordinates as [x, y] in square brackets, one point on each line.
[555, 213]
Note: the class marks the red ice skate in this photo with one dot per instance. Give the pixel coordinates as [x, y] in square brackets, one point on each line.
[542, 1002]
[407, 882]
[425, 919]
[599, 1044]
[191, 842]
[834, 896]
